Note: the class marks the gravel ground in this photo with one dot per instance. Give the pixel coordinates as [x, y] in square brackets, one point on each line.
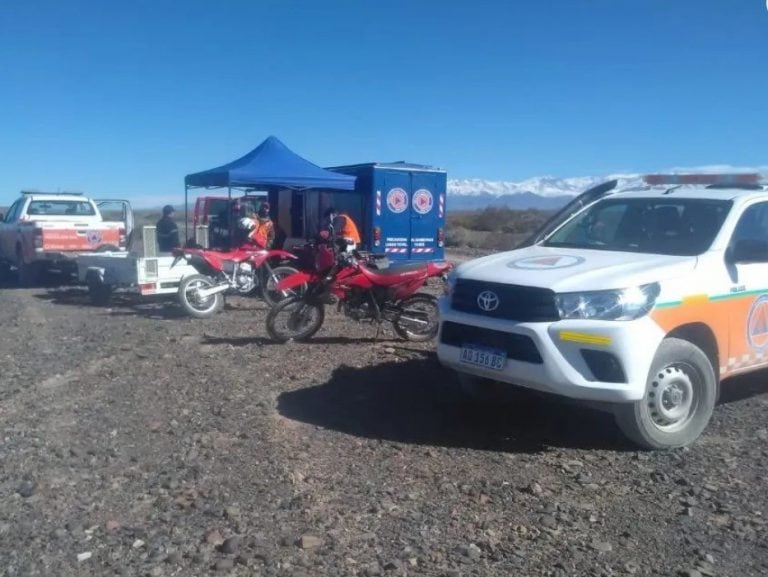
[136, 441]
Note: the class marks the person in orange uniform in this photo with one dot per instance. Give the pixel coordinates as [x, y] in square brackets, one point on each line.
[261, 230]
[343, 226]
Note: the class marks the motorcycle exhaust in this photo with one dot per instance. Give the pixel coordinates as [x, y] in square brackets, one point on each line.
[219, 288]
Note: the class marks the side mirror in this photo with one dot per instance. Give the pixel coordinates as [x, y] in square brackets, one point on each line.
[749, 250]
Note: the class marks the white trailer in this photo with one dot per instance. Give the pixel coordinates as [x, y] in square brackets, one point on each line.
[145, 271]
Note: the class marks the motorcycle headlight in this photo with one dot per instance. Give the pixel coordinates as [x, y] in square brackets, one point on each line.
[609, 305]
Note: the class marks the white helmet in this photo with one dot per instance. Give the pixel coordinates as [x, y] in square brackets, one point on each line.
[246, 223]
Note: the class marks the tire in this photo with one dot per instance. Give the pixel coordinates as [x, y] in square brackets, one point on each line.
[302, 320]
[29, 272]
[679, 398]
[99, 293]
[107, 248]
[272, 297]
[423, 308]
[192, 304]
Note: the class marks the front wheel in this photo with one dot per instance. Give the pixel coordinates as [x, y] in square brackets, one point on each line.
[195, 305]
[680, 396]
[417, 320]
[294, 319]
[268, 292]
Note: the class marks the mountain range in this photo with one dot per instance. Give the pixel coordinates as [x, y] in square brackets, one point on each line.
[550, 193]
[542, 193]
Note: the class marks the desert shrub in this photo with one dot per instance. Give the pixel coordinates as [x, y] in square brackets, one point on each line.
[493, 228]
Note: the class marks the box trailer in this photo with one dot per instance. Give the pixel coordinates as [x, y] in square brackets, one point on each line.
[400, 208]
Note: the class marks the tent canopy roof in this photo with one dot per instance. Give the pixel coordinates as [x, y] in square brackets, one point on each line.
[271, 163]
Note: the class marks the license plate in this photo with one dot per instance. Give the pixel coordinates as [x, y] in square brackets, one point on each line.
[493, 359]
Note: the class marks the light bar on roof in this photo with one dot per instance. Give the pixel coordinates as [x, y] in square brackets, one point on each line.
[742, 178]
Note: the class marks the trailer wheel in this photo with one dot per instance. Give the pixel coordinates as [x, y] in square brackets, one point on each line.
[99, 292]
[194, 305]
[679, 398]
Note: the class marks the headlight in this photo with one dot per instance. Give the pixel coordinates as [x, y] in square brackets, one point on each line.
[611, 305]
[450, 282]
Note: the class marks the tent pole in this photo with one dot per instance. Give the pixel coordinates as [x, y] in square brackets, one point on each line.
[230, 217]
[186, 216]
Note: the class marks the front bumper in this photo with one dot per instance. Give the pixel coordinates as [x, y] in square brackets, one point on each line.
[581, 359]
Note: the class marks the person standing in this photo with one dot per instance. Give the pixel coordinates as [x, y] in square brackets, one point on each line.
[343, 227]
[167, 231]
[260, 230]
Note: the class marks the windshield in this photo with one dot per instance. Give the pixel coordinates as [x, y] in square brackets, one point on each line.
[682, 227]
[61, 208]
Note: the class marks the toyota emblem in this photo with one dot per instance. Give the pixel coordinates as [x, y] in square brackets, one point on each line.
[488, 301]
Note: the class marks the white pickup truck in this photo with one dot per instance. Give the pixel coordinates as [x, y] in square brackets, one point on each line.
[48, 230]
[641, 300]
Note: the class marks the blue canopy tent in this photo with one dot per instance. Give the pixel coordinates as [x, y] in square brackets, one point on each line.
[270, 165]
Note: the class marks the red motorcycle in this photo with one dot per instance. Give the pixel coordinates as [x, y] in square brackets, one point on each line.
[363, 292]
[242, 270]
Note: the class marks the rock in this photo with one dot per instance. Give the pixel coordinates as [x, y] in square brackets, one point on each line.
[225, 565]
[534, 489]
[309, 542]
[231, 545]
[214, 538]
[156, 571]
[138, 544]
[549, 522]
[705, 568]
[112, 525]
[631, 567]
[473, 551]
[690, 573]
[77, 452]
[84, 556]
[59, 533]
[602, 546]
[174, 558]
[27, 488]
[232, 512]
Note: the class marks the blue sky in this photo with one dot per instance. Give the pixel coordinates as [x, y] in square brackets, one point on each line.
[125, 98]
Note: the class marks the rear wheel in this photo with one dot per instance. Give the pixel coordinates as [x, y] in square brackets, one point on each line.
[294, 319]
[417, 320]
[268, 281]
[193, 303]
[679, 398]
[29, 272]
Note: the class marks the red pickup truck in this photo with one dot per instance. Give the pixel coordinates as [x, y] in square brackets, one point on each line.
[48, 230]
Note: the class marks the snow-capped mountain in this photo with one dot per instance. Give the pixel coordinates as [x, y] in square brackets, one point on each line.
[541, 185]
[543, 192]
[549, 192]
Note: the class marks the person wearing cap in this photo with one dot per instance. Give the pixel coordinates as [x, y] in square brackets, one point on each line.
[167, 231]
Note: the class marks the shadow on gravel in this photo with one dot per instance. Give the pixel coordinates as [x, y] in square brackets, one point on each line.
[246, 341]
[127, 304]
[744, 387]
[416, 402]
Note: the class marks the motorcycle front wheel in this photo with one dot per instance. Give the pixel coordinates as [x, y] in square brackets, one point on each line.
[417, 320]
[191, 301]
[272, 296]
[294, 319]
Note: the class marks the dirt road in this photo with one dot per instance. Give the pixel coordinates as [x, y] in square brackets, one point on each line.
[135, 441]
